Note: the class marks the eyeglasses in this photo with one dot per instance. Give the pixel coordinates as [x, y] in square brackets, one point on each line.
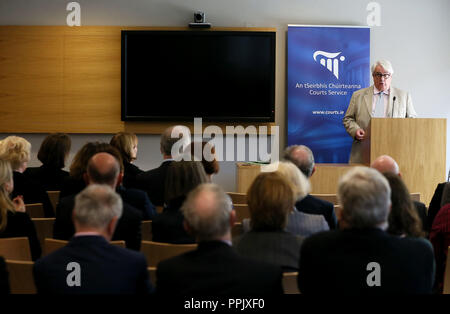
[378, 75]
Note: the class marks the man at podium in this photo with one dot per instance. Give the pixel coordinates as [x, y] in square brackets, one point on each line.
[381, 100]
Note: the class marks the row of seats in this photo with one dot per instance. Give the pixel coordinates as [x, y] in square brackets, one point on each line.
[20, 267]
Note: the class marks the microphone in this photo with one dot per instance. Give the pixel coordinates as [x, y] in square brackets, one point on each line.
[393, 103]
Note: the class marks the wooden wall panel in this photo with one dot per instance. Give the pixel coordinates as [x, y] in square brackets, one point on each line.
[67, 79]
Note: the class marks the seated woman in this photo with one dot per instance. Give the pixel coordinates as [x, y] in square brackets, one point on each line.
[14, 222]
[270, 200]
[181, 178]
[52, 154]
[127, 144]
[17, 151]
[299, 223]
[440, 237]
[403, 218]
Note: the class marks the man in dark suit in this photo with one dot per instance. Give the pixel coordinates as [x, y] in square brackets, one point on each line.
[362, 258]
[102, 168]
[386, 164]
[303, 158]
[214, 268]
[153, 181]
[89, 264]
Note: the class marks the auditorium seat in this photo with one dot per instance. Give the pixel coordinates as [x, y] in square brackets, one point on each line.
[157, 251]
[238, 198]
[242, 212]
[290, 283]
[21, 280]
[54, 198]
[35, 210]
[44, 228]
[15, 249]
[146, 230]
[51, 245]
[152, 274]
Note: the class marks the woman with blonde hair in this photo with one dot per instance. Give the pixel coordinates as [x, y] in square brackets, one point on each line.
[127, 144]
[14, 222]
[270, 200]
[17, 150]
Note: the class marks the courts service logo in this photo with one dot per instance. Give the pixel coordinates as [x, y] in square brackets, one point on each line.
[329, 60]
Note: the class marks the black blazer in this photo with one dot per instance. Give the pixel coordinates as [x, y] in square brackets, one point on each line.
[336, 262]
[4, 278]
[20, 225]
[216, 269]
[51, 179]
[128, 227]
[130, 172]
[139, 200]
[168, 226]
[104, 268]
[435, 205]
[32, 192]
[71, 186]
[316, 206]
[153, 182]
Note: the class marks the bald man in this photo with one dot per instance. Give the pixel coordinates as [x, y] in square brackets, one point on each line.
[214, 268]
[102, 168]
[387, 164]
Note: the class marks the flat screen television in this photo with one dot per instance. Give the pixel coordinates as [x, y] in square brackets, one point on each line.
[216, 75]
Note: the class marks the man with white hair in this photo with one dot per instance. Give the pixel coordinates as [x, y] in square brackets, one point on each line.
[89, 264]
[152, 181]
[381, 100]
[363, 258]
[214, 268]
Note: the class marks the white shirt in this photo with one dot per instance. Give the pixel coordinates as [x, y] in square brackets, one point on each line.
[375, 97]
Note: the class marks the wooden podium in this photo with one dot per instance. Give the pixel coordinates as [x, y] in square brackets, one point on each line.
[418, 146]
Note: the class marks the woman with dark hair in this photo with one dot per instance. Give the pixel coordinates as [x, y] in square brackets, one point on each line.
[127, 143]
[181, 178]
[403, 218]
[52, 154]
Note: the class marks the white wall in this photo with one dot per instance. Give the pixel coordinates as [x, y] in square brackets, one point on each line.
[413, 35]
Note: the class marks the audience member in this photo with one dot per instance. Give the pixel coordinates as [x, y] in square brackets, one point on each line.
[14, 222]
[152, 181]
[363, 258]
[52, 154]
[298, 223]
[75, 182]
[403, 219]
[127, 144]
[214, 268]
[103, 168]
[4, 278]
[386, 164]
[303, 158]
[17, 151]
[181, 178]
[207, 155]
[440, 236]
[435, 205]
[89, 264]
[270, 199]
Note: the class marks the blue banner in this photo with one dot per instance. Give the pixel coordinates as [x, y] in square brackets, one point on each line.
[326, 64]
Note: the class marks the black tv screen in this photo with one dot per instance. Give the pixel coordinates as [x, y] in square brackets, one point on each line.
[215, 75]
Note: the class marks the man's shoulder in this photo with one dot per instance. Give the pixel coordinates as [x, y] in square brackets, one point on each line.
[363, 91]
[315, 202]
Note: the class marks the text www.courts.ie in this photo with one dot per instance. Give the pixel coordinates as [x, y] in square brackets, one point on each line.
[328, 112]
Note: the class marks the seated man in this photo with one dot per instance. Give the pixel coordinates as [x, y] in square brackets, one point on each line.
[89, 264]
[102, 168]
[362, 258]
[214, 268]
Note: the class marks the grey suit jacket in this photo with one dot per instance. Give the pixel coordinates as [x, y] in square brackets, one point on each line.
[359, 113]
[277, 247]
